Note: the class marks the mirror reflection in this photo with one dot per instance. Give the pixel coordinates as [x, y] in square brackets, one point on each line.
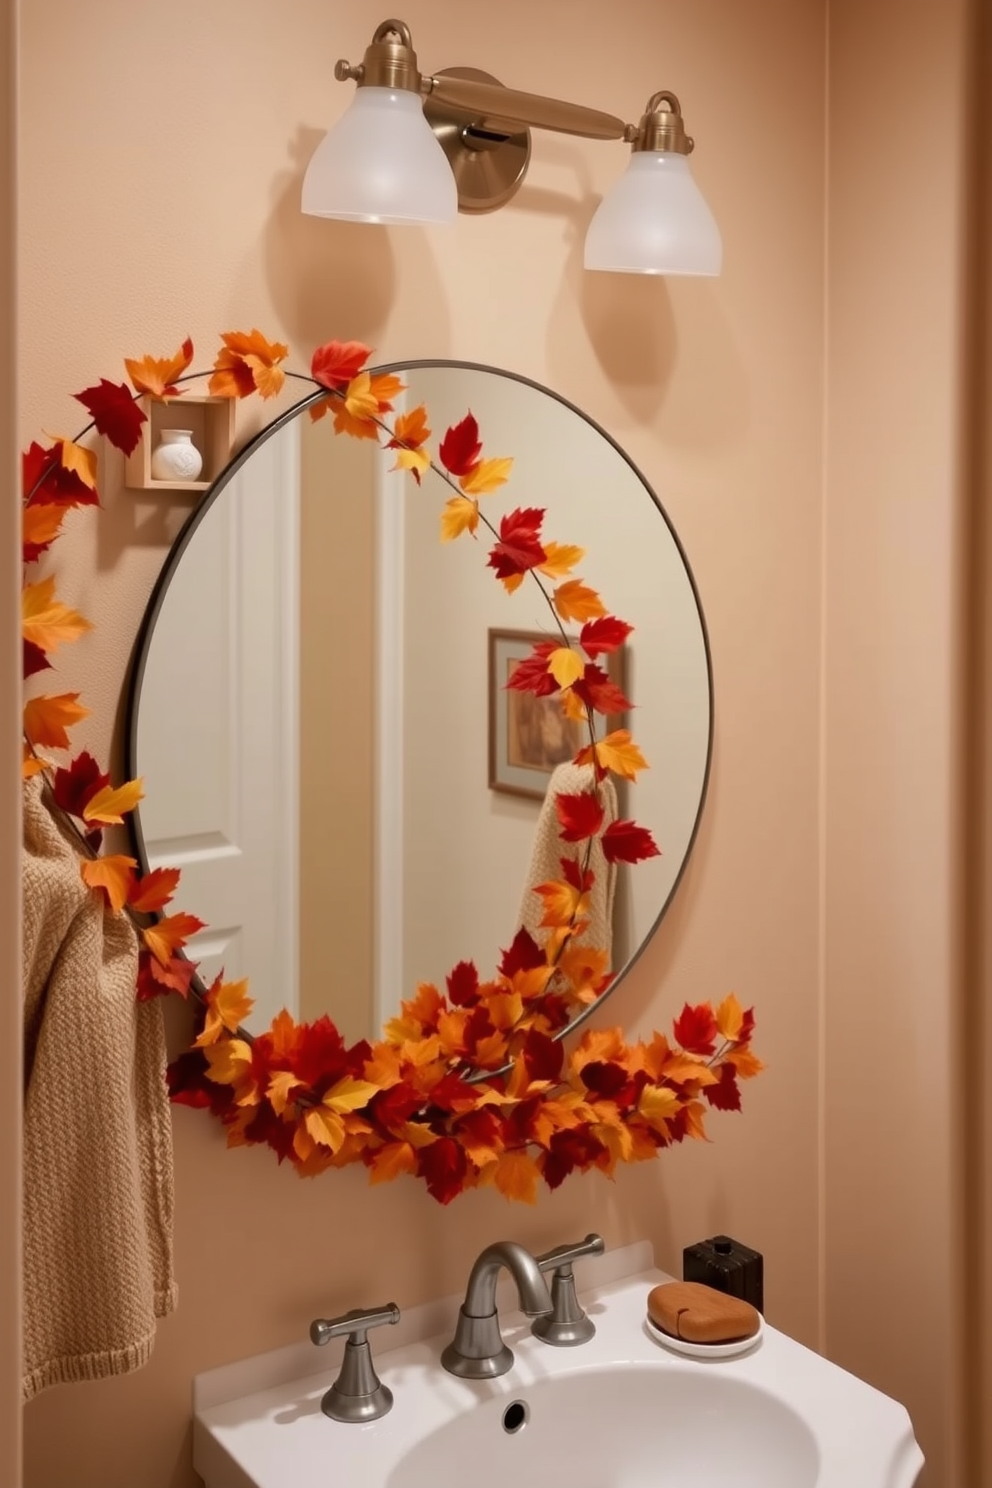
[320, 716]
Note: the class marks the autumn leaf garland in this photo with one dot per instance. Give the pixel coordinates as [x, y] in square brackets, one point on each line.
[419, 1100]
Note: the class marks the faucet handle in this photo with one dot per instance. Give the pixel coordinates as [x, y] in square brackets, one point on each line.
[566, 1324]
[357, 1394]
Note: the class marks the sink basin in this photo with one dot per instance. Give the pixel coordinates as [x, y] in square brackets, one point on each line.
[621, 1411]
[642, 1427]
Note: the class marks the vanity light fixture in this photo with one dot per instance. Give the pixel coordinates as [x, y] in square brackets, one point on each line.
[417, 149]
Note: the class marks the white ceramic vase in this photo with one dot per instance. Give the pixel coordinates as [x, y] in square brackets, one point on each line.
[176, 457]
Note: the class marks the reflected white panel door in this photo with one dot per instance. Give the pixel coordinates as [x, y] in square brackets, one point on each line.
[221, 804]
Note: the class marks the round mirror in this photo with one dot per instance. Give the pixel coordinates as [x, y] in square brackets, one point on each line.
[319, 706]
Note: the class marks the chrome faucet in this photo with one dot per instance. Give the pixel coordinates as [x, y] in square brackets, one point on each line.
[477, 1350]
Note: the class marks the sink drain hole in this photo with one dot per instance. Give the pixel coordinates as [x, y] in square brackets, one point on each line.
[515, 1417]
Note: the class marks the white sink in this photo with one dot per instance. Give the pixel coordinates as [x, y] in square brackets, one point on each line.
[620, 1411]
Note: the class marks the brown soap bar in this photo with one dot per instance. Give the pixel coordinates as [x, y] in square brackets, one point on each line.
[699, 1314]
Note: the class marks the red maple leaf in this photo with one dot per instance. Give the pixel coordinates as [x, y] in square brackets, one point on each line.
[579, 816]
[523, 955]
[695, 1029]
[479, 1027]
[463, 985]
[35, 660]
[320, 1055]
[532, 675]
[336, 362]
[604, 1079]
[188, 1084]
[542, 1056]
[725, 1096]
[156, 980]
[747, 1026]
[519, 547]
[152, 892]
[46, 479]
[114, 412]
[567, 1150]
[599, 691]
[605, 634]
[460, 450]
[626, 842]
[74, 787]
[392, 1107]
[453, 1093]
[581, 879]
[443, 1166]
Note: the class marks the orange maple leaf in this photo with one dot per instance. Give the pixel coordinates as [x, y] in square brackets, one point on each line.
[45, 621]
[745, 1063]
[280, 1089]
[47, 718]
[152, 892]
[157, 375]
[30, 764]
[390, 1161]
[113, 875]
[169, 934]
[730, 1018]
[111, 803]
[617, 752]
[599, 1045]
[563, 903]
[228, 1005]
[576, 601]
[229, 1063]
[40, 525]
[246, 364]
[658, 1106]
[516, 1176]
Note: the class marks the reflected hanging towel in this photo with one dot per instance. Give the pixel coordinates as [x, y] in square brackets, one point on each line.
[549, 849]
[98, 1192]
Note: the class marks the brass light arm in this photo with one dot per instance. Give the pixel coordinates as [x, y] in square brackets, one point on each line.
[494, 105]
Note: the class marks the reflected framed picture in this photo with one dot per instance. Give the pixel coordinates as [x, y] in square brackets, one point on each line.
[529, 735]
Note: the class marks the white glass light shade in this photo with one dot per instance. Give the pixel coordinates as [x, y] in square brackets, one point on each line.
[381, 163]
[654, 221]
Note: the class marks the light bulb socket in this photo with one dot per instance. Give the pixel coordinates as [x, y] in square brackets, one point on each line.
[389, 61]
[661, 127]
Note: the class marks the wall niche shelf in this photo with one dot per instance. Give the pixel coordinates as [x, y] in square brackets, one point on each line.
[212, 422]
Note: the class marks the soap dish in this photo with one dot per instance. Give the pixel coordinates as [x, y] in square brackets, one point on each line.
[704, 1350]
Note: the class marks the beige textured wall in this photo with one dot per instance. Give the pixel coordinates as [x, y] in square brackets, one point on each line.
[10, 580]
[160, 199]
[894, 713]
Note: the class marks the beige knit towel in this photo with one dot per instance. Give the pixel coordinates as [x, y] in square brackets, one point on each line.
[98, 1190]
[548, 850]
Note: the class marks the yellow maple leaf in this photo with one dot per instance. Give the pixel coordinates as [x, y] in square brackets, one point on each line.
[576, 601]
[516, 1176]
[460, 515]
[390, 1161]
[229, 1061]
[486, 476]
[560, 559]
[228, 1005]
[658, 1105]
[565, 665]
[617, 752]
[47, 718]
[349, 1095]
[730, 1018]
[325, 1127]
[618, 1140]
[417, 460]
[113, 874]
[77, 459]
[45, 621]
[280, 1088]
[359, 399]
[111, 803]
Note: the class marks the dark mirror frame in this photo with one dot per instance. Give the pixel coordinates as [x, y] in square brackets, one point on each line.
[143, 638]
